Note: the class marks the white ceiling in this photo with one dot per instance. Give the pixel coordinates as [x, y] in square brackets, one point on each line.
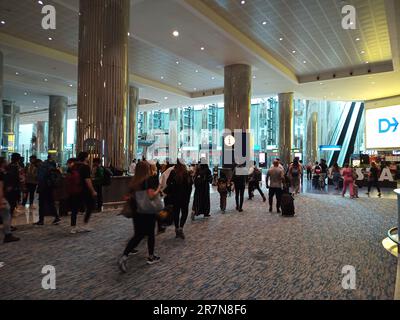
[308, 26]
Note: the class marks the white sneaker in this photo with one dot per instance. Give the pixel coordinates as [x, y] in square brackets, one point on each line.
[74, 230]
[1, 264]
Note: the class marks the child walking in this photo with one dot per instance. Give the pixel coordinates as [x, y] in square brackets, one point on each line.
[222, 186]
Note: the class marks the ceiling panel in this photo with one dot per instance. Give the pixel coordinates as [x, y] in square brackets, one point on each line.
[312, 28]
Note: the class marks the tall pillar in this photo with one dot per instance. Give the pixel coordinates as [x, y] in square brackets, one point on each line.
[40, 137]
[103, 79]
[312, 138]
[10, 126]
[237, 97]
[132, 123]
[1, 92]
[58, 107]
[173, 135]
[285, 126]
[237, 94]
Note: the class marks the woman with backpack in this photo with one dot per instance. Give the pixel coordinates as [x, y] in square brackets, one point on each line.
[142, 185]
[294, 173]
[179, 189]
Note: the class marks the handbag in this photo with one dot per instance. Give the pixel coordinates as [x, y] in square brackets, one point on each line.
[146, 205]
[128, 210]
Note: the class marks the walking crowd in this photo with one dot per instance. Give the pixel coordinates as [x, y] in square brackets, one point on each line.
[159, 195]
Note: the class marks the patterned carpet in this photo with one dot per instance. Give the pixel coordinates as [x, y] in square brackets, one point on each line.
[249, 255]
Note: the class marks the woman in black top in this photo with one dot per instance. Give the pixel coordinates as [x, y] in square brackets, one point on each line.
[202, 181]
[144, 223]
[179, 188]
[373, 179]
[239, 182]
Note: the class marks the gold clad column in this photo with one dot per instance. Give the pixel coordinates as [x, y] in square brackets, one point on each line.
[237, 93]
[103, 79]
[132, 132]
[285, 126]
[237, 97]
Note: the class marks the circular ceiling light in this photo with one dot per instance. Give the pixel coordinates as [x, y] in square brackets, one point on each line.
[3, 22]
[175, 33]
[304, 61]
[362, 52]
[242, 2]
[162, 78]
[294, 51]
[17, 73]
[34, 101]
[357, 39]
[70, 85]
[264, 23]
[50, 39]
[40, 2]
[45, 80]
[165, 98]
[177, 62]
[179, 83]
[25, 93]
[197, 71]
[212, 78]
[280, 39]
[202, 48]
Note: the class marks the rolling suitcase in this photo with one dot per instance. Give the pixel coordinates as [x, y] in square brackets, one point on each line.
[287, 205]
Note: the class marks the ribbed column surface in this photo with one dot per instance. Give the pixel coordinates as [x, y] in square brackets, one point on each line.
[57, 124]
[103, 79]
[132, 132]
[285, 126]
[237, 93]
[40, 136]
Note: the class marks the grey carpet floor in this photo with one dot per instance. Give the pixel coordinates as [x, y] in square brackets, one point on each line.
[249, 255]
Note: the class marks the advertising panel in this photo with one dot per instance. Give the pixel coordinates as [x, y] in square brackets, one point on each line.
[382, 130]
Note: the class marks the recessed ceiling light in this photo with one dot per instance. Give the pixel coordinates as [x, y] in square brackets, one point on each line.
[202, 48]
[70, 85]
[373, 82]
[129, 34]
[264, 23]
[162, 78]
[34, 101]
[177, 62]
[40, 2]
[242, 2]
[212, 78]
[197, 71]
[45, 80]
[254, 77]
[17, 73]
[3, 22]
[25, 93]
[280, 39]
[50, 38]
[175, 33]
[304, 61]
[165, 98]
[357, 39]
[321, 83]
[195, 89]
[179, 83]
[294, 51]
[362, 52]
[36, 107]
[366, 62]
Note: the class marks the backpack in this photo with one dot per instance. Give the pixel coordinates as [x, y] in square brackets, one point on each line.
[107, 174]
[295, 172]
[222, 186]
[257, 175]
[73, 182]
[12, 180]
[317, 170]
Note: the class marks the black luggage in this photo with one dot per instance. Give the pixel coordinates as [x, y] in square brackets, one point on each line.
[287, 205]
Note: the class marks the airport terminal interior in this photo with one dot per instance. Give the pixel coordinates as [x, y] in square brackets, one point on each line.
[292, 107]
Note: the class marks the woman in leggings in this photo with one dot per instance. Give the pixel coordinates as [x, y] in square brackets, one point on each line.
[239, 182]
[144, 223]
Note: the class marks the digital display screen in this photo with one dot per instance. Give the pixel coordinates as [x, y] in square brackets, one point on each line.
[382, 129]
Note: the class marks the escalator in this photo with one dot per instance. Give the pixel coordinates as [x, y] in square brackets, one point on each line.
[348, 131]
